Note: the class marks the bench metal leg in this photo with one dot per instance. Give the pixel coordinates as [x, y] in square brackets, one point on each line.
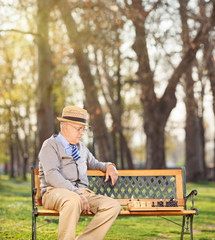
[182, 230]
[189, 217]
[34, 208]
[34, 227]
[191, 227]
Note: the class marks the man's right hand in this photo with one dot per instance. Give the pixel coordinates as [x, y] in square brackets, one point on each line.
[86, 205]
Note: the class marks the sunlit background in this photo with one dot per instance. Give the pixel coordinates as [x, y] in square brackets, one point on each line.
[108, 36]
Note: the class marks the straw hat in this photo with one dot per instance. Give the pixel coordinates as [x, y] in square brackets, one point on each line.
[74, 114]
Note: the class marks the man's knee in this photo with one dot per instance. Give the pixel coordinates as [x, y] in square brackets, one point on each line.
[115, 207]
[73, 204]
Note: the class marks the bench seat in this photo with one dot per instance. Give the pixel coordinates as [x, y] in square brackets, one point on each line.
[47, 212]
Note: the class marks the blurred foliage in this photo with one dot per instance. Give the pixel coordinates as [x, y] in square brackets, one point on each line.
[108, 36]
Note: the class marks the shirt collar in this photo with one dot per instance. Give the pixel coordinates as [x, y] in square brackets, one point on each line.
[60, 138]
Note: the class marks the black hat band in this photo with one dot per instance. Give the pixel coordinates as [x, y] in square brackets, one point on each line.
[75, 119]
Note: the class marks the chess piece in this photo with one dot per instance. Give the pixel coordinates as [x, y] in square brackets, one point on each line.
[143, 204]
[172, 202]
[160, 203]
[136, 203]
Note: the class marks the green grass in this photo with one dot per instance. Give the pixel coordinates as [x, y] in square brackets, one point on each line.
[15, 217]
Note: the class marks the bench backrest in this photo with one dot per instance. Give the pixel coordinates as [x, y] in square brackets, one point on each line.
[152, 185]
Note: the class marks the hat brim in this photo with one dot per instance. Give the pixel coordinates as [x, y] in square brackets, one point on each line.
[75, 122]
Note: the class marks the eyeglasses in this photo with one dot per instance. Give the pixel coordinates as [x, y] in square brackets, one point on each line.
[80, 130]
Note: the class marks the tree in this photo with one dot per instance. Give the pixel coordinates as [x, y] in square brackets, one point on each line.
[210, 66]
[93, 106]
[194, 138]
[17, 100]
[105, 40]
[157, 110]
[45, 108]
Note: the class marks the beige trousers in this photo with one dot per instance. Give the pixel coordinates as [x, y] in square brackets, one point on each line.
[69, 204]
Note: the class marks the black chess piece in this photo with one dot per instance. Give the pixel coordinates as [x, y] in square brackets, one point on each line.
[160, 203]
[172, 202]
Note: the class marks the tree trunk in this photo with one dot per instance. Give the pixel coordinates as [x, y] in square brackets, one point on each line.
[123, 143]
[12, 170]
[102, 136]
[113, 136]
[194, 148]
[18, 159]
[210, 66]
[45, 108]
[6, 168]
[155, 139]
[25, 162]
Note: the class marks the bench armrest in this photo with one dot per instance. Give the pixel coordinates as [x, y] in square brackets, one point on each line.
[191, 196]
[192, 193]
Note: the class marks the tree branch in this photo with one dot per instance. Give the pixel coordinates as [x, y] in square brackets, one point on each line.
[189, 56]
[20, 31]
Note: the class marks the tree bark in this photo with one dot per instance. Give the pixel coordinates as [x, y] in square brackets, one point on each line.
[93, 106]
[45, 107]
[155, 141]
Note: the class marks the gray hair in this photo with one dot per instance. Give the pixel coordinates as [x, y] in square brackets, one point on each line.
[61, 125]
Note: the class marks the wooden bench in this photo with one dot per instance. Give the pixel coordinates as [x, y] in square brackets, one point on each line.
[133, 187]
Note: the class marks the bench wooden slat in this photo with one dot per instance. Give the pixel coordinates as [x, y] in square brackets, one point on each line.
[179, 187]
[146, 172]
[158, 213]
[47, 212]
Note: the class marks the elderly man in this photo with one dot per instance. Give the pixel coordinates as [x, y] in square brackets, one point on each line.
[63, 164]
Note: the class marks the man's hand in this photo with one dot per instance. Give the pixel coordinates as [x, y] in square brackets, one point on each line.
[86, 206]
[112, 173]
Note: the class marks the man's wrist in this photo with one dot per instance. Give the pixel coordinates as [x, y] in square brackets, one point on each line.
[112, 165]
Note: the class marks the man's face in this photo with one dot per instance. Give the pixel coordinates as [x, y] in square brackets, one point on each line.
[72, 132]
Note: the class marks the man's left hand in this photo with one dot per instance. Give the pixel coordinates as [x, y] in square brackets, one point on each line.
[112, 173]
